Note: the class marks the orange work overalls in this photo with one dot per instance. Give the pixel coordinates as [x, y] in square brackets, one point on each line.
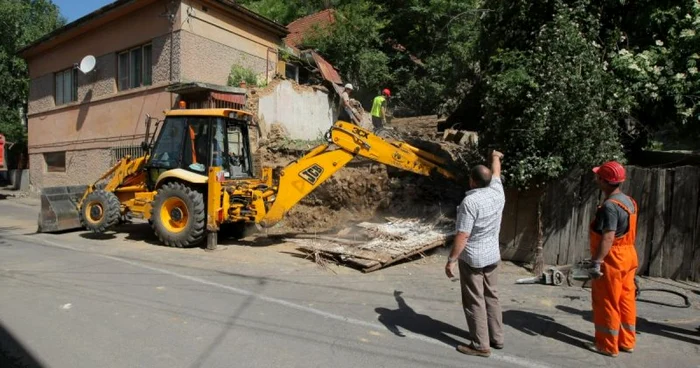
[614, 308]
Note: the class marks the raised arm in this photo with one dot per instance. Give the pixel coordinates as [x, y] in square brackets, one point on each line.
[496, 163]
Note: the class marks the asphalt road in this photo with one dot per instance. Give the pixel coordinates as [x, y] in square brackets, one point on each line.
[70, 301]
[63, 305]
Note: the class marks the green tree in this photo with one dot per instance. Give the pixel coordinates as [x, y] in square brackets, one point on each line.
[547, 104]
[570, 83]
[286, 11]
[654, 54]
[440, 33]
[354, 45]
[21, 22]
[557, 84]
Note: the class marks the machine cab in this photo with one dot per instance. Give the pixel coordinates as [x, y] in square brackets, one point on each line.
[196, 139]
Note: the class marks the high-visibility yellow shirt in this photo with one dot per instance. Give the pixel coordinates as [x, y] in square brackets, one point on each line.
[377, 106]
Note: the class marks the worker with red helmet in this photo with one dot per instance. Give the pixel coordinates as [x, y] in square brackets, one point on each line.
[379, 109]
[614, 264]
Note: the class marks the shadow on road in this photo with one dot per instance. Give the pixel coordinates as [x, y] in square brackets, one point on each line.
[13, 353]
[534, 324]
[405, 317]
[142, 232]
[4, 229]
[646, 326]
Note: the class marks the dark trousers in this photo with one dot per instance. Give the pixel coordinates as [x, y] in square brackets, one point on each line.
[481, 306]
[345, 114]
[377, 122]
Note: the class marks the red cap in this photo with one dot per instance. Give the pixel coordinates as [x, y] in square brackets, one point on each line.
[386, 92]
[612, 172]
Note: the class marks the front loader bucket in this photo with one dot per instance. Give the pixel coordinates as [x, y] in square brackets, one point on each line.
[59, 208]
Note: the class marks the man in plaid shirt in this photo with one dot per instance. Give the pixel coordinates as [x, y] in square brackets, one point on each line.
[476, 249]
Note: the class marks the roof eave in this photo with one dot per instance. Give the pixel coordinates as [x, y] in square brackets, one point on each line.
[24, 52]
[274, 27]
[279, 30]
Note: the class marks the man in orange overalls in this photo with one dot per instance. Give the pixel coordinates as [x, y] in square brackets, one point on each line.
[614, 259]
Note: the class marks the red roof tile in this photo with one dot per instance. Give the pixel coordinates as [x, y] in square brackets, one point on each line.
[299, 28]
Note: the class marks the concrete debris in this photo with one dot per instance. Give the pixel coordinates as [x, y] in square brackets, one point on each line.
[461, 137]
[383, 243]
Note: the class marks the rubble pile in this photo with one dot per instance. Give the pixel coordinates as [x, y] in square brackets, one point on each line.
[367, 214]
[366, 190]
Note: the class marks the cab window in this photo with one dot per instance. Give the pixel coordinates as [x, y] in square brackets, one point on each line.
[196, 149]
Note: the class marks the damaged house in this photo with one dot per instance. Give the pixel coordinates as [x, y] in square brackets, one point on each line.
[94, 81]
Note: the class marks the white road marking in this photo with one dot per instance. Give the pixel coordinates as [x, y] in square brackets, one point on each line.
[522, 362]
[67, 306]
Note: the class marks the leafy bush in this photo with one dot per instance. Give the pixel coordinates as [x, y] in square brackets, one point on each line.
[240, 73]
[547, 106]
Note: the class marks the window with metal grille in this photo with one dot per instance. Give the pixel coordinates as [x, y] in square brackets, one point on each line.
[132, 150]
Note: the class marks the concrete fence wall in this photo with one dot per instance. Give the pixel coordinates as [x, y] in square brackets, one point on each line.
[305, 113]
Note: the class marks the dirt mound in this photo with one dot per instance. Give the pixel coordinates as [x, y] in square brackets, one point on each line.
[365, 190]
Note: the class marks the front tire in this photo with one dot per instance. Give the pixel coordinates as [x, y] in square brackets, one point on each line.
[100, 211]
[178, 216]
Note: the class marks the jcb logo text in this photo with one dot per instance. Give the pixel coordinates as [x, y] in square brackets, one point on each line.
[312, 173]
[359, 132]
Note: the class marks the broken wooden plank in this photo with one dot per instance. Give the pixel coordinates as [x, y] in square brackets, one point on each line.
[362, 263]
[341, 258]
[339, 250]
[325, 237]
[407, 255]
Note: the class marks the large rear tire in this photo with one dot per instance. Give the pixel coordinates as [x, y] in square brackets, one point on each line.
[178, 216]
[100, 211]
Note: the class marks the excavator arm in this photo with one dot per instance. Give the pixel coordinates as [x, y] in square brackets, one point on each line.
[304, 175]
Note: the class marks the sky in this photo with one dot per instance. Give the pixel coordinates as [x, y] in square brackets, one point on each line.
[74, 9]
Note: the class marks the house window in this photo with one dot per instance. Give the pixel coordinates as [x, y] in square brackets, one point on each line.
[55, 161]
[135, 67]
[66, 86]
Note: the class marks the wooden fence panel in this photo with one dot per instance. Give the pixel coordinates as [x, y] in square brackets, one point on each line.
[579, 243]
[558, 211]
[668, 228]
[509, 225]
[526, 233]
[679, 246]
[659, 222]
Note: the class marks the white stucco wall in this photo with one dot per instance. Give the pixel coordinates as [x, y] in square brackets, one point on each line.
[305, 115]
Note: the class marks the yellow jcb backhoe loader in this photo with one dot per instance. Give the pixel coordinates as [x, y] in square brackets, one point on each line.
[197, 179]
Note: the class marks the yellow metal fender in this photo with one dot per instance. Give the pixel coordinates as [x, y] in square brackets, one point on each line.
[183, 175]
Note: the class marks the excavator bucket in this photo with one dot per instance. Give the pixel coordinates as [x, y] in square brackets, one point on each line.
[59, 208]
